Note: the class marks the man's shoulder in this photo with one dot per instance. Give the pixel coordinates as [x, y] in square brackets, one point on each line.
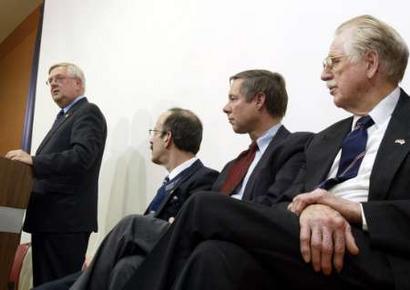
[86, 106]
[203, 171]
[200, 175]
[87, 113]
[299, 137]
[292, 141]
[337, 125]
[344, 124]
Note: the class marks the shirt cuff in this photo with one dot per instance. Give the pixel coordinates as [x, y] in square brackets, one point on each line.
[364, 222]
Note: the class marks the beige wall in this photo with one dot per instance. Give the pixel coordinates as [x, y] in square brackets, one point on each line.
[16, 55]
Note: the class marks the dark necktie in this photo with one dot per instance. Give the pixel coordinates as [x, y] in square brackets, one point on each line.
[238, 169]
[58, 119]
[159, 197]
[353, 151]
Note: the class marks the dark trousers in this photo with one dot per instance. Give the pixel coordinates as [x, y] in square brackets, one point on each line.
[121, 252]
[60, 284]
[212, 258]
[56, 255]
[268, 237]
[118, 256]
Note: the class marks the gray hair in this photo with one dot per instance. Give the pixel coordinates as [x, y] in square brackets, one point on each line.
[72, 69]
[371, 34]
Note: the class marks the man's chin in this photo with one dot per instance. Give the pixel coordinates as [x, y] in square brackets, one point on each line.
[337, 101]
[155, 161]
[57, 98]
[239, 130]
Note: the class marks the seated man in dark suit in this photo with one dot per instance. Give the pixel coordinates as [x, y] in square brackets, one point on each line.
[174, 142]
[256, 105]
[349, 226]
[257, 102]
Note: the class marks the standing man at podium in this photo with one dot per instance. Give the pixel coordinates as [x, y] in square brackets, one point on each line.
[62, 211]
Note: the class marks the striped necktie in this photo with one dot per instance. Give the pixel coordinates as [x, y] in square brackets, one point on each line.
[353, 151]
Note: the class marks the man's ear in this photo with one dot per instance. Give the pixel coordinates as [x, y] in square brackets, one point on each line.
[372, 61]
[260, 99]
[168, 139]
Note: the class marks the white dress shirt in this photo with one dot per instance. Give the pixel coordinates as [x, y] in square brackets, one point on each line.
[181, 167]
[357, 188]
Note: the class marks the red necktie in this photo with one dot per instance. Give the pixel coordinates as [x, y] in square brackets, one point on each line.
[238, 169]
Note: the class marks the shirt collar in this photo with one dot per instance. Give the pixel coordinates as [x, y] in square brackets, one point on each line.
[68, 107]
[264, 140]
[383, 110]
[181, 167]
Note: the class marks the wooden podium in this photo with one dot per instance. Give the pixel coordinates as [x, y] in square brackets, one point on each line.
[15, 188]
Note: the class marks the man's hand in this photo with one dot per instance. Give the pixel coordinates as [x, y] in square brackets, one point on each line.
[324, 236]
[350, 210]
[20, 155]
[301, 201]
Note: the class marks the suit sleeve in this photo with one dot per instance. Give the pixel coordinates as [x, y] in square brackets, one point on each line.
[388, 225]
[290, 174]
[87, 140]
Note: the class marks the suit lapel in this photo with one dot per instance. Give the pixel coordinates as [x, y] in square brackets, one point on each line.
[325, 148]
[170, 192]
[54, 129]
[393, 149]
[262, 164]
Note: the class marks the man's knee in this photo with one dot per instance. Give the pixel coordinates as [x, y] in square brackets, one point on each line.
[216, 251]
[204, 200]
[128, 219]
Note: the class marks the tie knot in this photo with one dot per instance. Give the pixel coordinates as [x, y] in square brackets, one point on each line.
[60, 114]
[166, 180]
[253, 147]
[364, 122]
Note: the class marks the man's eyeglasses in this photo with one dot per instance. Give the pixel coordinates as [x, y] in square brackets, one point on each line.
[331, 61]
[57, 79]
[152, 132]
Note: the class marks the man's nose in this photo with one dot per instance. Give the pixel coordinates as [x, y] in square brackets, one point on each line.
[326, 74]
[226, 109]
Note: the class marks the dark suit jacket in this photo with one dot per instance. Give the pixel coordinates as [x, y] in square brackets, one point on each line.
[387, 211]
[276, 169]
[66, 168]
[198, 178]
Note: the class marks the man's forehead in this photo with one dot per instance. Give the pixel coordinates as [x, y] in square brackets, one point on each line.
[338, 44]
[236, 84]
[58, 70]
[336, 47]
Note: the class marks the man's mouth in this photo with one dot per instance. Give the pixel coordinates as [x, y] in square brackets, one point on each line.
[332, 87]
[332, 90]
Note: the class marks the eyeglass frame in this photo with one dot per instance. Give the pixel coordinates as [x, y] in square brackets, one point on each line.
[151, 132]
[58, 79]
[328, 62]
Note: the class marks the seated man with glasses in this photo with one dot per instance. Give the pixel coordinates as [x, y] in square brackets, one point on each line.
[174, 142]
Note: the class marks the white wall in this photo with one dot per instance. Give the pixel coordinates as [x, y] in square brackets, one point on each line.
[142, 57]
